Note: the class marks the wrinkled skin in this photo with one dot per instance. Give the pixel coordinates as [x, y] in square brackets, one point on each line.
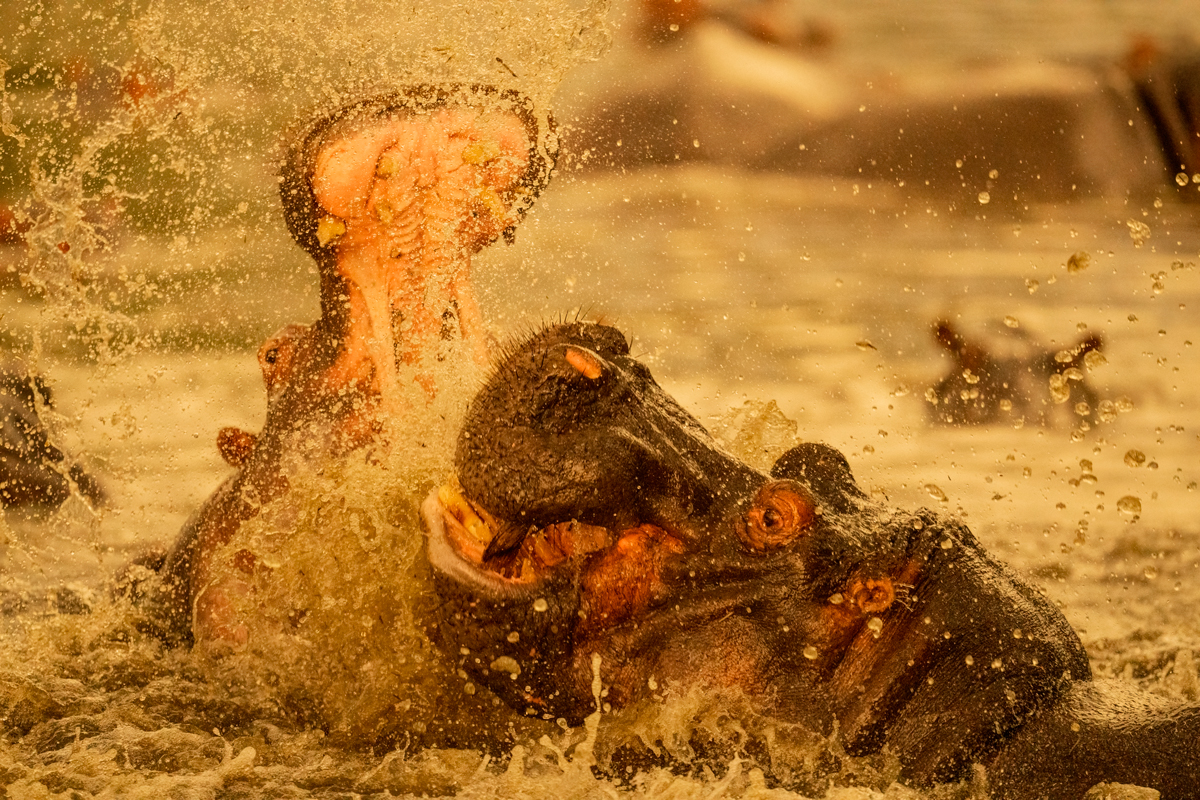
[391, 196]
[595, 516]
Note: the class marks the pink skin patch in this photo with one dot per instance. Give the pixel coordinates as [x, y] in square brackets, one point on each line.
[417, 196]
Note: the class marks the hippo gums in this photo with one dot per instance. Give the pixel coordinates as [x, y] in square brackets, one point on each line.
[591, 515]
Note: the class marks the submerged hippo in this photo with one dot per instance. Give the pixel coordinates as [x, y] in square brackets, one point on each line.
[1012, 379]
[592, 516]
[391, 196]
[33, 472]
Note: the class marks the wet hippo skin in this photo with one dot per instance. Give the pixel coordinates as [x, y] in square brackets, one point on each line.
[590, 515]
[33, 471]
[391, 196]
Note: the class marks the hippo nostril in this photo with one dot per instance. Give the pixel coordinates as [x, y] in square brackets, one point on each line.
[771, 518]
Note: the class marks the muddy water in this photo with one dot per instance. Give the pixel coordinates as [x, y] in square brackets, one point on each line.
[737, 289]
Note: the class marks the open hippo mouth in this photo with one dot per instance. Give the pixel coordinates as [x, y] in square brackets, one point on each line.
[585, 503]
[591, 516]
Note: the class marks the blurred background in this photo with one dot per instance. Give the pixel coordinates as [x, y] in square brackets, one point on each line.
[776, 200]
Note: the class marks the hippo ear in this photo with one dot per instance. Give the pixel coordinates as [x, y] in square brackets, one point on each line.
[782, 512]
[824, 470]
[585, 362]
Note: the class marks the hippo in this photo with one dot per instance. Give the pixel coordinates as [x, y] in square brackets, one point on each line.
[390, 195]
[749, 85]
[1011, 378]
[33, 472]
[590, 517]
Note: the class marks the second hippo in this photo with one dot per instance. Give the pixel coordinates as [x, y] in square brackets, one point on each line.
[592, 517]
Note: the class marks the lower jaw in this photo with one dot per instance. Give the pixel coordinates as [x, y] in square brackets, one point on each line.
[449, 561]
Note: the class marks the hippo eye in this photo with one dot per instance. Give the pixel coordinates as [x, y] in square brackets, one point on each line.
[271, 356]
[782, 511]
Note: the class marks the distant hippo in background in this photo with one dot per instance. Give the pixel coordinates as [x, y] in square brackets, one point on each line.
[592, 520]
[715, 90]
[1006, 379]
[33, 472]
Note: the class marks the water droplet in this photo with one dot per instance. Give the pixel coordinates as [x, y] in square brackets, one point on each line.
[1181, 179]
[836, 598]
[875, 624]
[865, 345]
[1031, 285]
[985, 198]
[970, 660]
[741, 256]
[1135, 458]
[540, 604]
[1012, 322]
[1094, 360]
[1078, 262]
[993, 174]
[1060, 392]
[1150, 572]
[936, 492]
[810, 653]
[1139, 231]
[507, 664]
[513, 637]
[947, 543]
[674, 27]
[958, 163]
[1129, 505]
[1064, 356]
[1124, 404]
[653, 684]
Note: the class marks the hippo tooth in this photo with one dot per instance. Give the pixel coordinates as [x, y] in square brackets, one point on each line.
[383, 210]
[456, 504]
[481, 152]
[491, 201]
[386, 167]
[329, 229]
